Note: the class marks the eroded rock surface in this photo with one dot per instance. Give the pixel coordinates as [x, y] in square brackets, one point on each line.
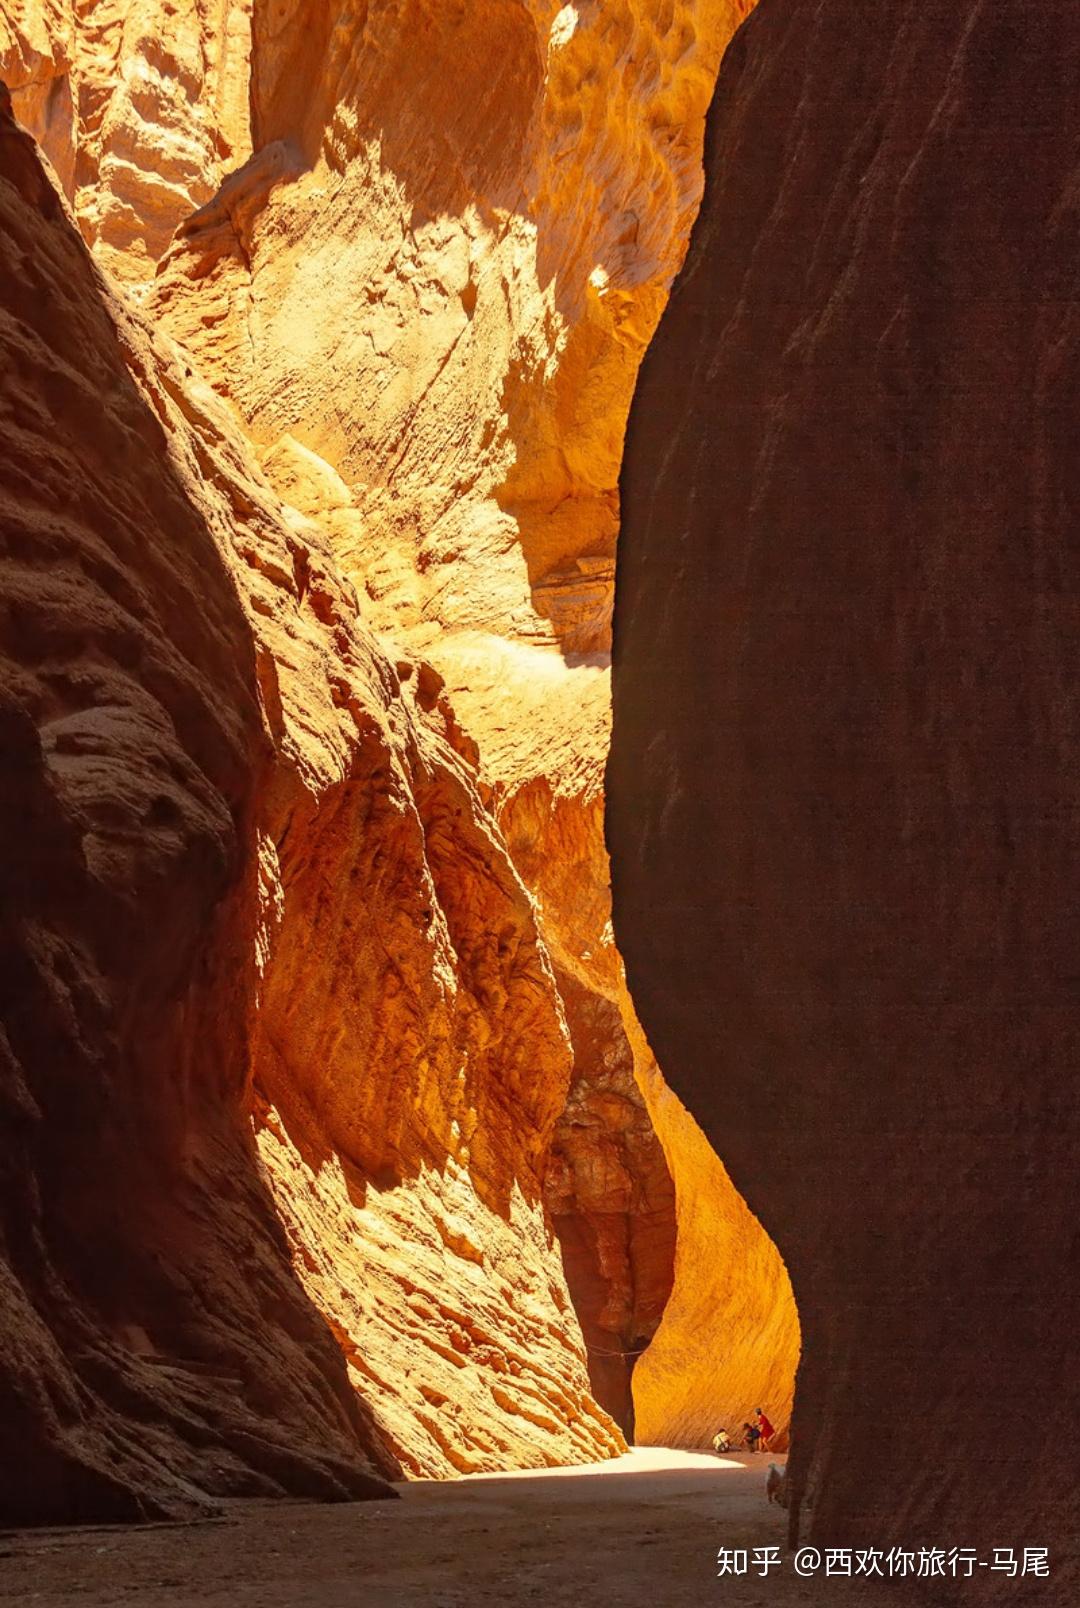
[433, 332]
[612, 1202]
[141, 108]
[157, 1344]
[843, 788]
[729, 1337]
[398, 310]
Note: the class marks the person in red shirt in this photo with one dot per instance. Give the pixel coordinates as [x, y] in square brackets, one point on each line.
[767, 1430]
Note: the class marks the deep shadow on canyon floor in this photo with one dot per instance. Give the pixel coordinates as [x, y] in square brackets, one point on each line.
[644, 1528]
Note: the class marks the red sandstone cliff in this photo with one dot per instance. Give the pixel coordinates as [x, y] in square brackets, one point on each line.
[843, 789]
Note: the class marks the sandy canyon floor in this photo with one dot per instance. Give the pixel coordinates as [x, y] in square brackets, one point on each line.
[642, 1529]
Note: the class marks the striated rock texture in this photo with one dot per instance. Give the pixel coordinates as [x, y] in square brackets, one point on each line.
[456, 428]
[157, 1345]
[541, 732]
[844, 795]
[142, 110]
[612, 1202]
[729, 1336]
[398, 303]
[249, 856]
[484, 205]
[489, 254]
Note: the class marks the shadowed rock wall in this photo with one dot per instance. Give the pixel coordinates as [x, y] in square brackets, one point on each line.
[844, 792]
[158, 1348]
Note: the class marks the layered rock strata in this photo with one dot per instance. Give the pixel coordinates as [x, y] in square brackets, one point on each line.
[843, 787]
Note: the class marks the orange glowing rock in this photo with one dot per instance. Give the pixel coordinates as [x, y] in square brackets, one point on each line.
[729, 1339]
[399, 303]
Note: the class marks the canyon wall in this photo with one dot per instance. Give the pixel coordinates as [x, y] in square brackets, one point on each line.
[489, 254]
[142, 110]
[729, 1338]
[843, 801]
[158, 1348]
[279, 897]
[393, 307]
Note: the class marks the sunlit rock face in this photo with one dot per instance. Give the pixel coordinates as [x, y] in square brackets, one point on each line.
[410, 296]
[268, 863]
[612, 1202]
[489, 253]
[142, 110]
[729, 1336]
[446, 297]
[607, 1184]
[842, 792]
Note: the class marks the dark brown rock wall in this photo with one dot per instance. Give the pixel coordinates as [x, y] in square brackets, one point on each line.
[844, 793]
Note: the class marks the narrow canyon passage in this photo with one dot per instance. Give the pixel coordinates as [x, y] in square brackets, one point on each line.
[342, 1155]
[403, 928]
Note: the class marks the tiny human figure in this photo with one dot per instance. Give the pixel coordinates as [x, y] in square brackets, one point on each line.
[765, 1429]
[721, 1442]
[753, 1435]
